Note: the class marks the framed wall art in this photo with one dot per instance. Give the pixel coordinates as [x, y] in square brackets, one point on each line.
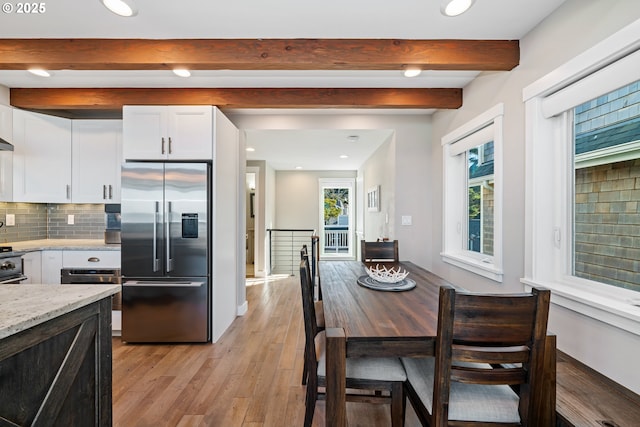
[373, 199]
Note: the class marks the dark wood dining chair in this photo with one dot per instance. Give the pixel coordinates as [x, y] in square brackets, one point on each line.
[319, 313]
[488, 362]
[385, 251]
[372, 374]
[315, 261]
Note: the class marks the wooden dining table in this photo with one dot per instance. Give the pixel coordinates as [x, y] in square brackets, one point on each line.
[362, 322]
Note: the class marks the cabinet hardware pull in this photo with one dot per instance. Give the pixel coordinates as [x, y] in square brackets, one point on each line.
[104, 191]
[68, 191]
[169, 145]
[110, 192]
[162, 152]
[94, 259]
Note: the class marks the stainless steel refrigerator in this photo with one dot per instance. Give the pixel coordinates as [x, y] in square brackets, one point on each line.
[166, 252]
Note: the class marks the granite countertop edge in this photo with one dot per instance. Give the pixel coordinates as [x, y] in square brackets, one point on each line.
[25, 306]
[19, 248]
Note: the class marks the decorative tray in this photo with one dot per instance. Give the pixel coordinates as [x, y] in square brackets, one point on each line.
[403, 285]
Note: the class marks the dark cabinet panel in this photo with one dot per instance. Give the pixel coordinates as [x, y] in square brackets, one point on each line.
[59, 373]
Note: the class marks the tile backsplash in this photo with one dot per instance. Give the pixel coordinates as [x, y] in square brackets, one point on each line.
[34, 221]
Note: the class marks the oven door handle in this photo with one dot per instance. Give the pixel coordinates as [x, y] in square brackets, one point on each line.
[18, 279]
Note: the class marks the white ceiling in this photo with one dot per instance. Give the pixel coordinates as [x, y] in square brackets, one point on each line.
[378, 19]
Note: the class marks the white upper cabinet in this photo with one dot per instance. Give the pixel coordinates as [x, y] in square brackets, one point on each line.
[41, 158]
[96, 156]
[6, 157]
[167, 132]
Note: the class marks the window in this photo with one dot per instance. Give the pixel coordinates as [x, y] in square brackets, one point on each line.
[473, 195]
[606, 190]
[480, 205]
[582, 194]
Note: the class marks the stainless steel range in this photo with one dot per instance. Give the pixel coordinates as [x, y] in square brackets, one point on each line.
[11, 268]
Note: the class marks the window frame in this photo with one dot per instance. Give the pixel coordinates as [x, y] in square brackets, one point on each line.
[456, 192]
[549, 179]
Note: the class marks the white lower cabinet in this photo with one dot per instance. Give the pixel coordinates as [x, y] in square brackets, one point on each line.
[51, 266]
[32, 267]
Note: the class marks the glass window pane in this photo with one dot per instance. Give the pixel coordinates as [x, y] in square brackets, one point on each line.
[606, 240]
[336, 220]
[480, 199]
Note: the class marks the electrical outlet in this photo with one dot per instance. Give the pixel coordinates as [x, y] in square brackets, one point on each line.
[406, 219]
[71, 219]
[10, 220]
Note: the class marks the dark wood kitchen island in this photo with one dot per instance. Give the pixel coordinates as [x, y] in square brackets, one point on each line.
[55, 355]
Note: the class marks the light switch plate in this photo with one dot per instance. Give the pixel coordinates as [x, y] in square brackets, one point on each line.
[406, 219]
[71, 219]
[10, 220]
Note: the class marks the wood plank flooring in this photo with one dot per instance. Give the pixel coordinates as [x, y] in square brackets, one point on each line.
[249, 378]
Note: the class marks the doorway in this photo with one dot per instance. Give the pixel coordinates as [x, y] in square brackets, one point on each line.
[336, 218]
[250, 194]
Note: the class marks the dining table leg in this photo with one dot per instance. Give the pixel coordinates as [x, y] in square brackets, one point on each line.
[336, 415]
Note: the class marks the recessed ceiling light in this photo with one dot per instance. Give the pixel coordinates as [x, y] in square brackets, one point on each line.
[344, 156]
[298, 167]
[412, 72]
[251, 149]
[121, 7]
[353, 138]
[455, 7]
[182, 72]
[39, 72]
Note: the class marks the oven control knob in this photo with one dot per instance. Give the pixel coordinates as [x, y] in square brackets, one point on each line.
[7, 266]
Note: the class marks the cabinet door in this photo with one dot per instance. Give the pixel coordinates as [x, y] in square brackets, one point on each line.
[32, 267]
[96, 159]
[51, 266]
[41, 158]
[144, 132]
[6, 157]
[190, 133]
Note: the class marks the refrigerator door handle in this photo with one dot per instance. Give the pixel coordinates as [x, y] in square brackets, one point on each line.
[156, 260]
[169, 260]
[176, 284]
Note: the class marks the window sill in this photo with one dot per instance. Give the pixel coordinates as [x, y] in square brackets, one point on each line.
[474, 265]
[618, 312]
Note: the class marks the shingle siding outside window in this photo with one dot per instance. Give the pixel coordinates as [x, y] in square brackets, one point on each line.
[607, 194]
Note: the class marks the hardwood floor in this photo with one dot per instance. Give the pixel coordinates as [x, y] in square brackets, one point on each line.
[249, 378]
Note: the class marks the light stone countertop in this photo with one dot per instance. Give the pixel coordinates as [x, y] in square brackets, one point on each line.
[25, 306]
[59, 244]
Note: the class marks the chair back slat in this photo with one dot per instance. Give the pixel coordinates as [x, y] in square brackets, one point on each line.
[491, 376]
[494, 319]
[379, 251]
[502, 355]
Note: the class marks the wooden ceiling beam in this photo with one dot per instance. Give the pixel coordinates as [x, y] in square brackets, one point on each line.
[115, 98]
[258, 54]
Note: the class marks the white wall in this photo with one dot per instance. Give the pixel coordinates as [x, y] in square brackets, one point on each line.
[412, 136]
[298, 198]
[4, 95]
[227, 250]
[380, 170]
[574, 27]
